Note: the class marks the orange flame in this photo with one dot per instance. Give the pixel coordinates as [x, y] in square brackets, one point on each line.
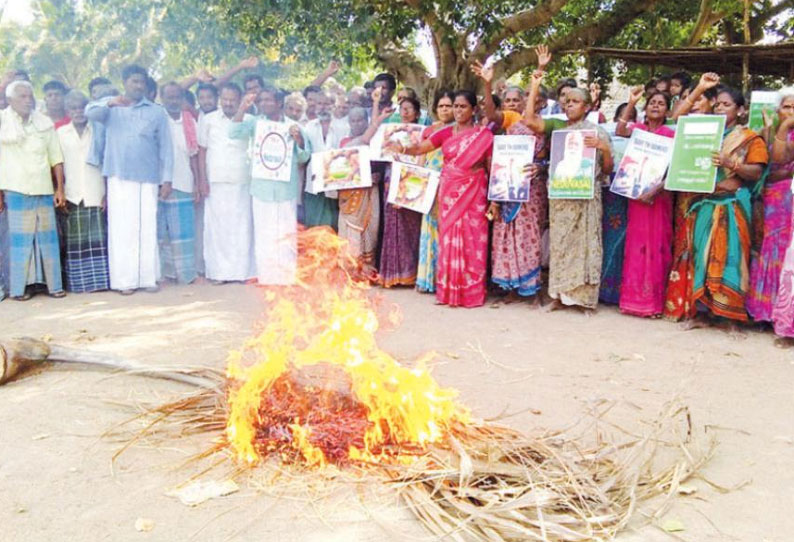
[328, 319]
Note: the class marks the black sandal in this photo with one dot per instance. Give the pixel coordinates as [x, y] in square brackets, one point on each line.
[23, 297]
[58, 295]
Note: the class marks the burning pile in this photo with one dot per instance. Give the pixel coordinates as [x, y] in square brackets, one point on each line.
[314, 389]
[314, 381]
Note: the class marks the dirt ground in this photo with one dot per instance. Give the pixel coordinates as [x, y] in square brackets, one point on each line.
[57, 481]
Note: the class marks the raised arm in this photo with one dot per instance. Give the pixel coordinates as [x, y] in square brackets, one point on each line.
[246, 64]
[707, 81]
[782, 150]
[486, 74]
[327, 73]
[245, 104]
[533, 120]
[622, 128]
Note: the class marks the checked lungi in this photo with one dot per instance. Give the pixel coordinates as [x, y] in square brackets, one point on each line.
[176, 234]
[86, 263]
[33, 238]
[4, 254]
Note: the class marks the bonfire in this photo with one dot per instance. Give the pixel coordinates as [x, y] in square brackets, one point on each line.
[312, 390]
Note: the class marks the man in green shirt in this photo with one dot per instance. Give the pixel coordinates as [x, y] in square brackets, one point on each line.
[274, 190]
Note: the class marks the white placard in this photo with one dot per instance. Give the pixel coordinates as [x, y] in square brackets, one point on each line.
[341, 169]
[413, 187]
[272, 156]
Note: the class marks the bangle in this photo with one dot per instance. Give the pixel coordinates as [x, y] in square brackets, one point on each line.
[690, 102]
[622, 120]
[781, 140]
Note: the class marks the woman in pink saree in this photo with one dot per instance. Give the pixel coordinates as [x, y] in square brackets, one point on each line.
[649, 234]
[462, 204]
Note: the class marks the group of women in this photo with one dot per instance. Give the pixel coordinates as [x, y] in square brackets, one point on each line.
[724, 257]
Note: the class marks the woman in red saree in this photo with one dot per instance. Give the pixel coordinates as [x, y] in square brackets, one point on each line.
[649, 231]
[462, 204]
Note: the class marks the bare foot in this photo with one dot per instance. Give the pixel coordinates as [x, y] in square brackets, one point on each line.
[534, 302]
[694, 323]
[555, 305]
[784, 342]
[735, 330]
[511, 297]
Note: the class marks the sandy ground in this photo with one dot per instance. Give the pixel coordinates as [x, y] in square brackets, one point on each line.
[56, 480]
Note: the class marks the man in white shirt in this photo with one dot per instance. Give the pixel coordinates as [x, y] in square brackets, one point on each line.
[225, 174]
[86, 262]
[176, 233]
[323, 134]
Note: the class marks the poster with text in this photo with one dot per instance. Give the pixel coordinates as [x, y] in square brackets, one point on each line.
[508, 180]
[412, 187]
[341, 169]
[643, 165]
[572, 165]
[272, 151]
[760, 101]
[405, 134]
[696, 137]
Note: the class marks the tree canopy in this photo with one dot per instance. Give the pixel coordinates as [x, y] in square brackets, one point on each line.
[74, 40]
[501, 31]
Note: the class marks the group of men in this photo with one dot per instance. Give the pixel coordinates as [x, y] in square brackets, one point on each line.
[120, 190]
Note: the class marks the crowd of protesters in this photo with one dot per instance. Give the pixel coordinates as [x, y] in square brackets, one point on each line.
[122, 188]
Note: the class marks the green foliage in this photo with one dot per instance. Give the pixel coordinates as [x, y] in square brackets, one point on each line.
[74, 40]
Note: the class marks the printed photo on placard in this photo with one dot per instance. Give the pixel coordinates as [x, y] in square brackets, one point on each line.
[406, 134]
[696, 138]
[508, 180]
[272, 151]
[341, 169]
[643, 165]
[572, 165]
[412, 187]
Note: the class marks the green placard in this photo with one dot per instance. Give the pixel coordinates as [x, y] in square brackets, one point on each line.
[759, 101]
[696, 137]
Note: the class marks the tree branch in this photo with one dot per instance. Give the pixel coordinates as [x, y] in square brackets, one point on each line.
[706, 19]
[408, 68]
[539, 15]
[599, 30]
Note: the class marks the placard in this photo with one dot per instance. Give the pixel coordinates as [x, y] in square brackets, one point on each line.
[642, 168]
[696, 137]
[405, 134]
[412, 187]
[572, 170]
[273, 147]
[761, 100]
[508, 180]
[341, 169]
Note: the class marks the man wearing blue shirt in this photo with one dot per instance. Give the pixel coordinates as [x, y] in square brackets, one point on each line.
[138, 163]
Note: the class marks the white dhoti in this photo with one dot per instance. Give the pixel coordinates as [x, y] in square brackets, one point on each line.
[275, 241]
[228, 232]
[133, 253]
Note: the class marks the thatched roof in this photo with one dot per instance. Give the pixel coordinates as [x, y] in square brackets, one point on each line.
[771, 59]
